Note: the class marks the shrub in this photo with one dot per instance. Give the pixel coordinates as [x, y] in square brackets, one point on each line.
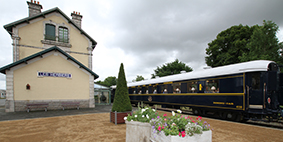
[122, 101]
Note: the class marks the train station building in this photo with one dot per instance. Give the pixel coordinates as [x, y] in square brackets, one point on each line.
[52, 60]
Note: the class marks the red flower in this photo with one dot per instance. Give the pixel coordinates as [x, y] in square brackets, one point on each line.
[193, 121]
[165, 114]
[159, 128]
[162, 127]
[183, 134]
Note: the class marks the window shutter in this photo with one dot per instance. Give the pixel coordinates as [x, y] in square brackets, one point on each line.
[50, 32]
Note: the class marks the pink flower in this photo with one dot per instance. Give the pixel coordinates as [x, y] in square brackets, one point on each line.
[165, 114]
[186, 118]
[165, 119]
[181, 116]
[193, 121]
[162, 127]
[183, 134]
[159, 128]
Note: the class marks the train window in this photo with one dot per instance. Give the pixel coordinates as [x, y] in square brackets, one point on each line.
[131, 90]
[212, 86]
[256, 80]
[154, 89]
[176, 88]
[134, 90]
[192, 87]
[146, 89]
[139, 90]
[164, 88]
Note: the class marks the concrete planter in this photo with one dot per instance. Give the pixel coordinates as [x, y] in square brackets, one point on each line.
[138, 131]
[206, 136]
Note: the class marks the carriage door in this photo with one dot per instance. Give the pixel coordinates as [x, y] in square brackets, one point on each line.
[254, 90]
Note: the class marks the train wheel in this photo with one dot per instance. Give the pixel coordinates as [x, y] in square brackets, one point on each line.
[231, 116]
[196, 111]
[239, 117]
[223, 115]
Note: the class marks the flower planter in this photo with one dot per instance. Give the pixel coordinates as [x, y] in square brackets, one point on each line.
[119, 117]
[138, 131]
[206, 136]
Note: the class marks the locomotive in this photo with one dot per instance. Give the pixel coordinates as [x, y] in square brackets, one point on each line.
[242, 91]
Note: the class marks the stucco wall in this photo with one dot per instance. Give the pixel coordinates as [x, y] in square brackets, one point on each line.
[51, 88]
[31, 35]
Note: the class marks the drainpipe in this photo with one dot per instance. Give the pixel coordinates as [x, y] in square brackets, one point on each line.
[16, 39]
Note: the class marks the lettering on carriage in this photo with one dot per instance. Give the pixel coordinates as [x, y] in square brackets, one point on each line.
[219, 103]
[223, 103]
[239, 107]
[227, 103]
[168, 82]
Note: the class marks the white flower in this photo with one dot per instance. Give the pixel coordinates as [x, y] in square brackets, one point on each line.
[153, 109]
[131, 120]
[142, 115]
[173, 113]
[147, 116]
[143, 110]
[136, 116]
[125, 118]
[179, 111]
[146, 108]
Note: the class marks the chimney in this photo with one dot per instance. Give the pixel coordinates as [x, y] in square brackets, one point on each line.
[34, 8]
[77, 18]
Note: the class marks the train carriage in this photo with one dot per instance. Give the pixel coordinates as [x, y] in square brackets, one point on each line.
[250, 90]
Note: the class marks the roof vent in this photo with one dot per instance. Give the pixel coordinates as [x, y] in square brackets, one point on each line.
[208, 67]
[182, 72]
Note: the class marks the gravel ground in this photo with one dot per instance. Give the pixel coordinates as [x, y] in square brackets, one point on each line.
[96, 127]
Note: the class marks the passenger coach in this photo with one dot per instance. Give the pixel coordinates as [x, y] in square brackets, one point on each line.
[250, 90]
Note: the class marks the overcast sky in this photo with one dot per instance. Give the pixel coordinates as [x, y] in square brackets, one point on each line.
[144, 34]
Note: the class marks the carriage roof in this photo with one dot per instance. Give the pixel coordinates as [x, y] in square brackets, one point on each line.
[251, 66]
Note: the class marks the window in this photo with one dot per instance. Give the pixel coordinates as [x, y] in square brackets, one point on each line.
[256, 80]
[192, 87]
[139, 90]
[146, 89]
[212, 86]
[154, 89]
[164, 88]
[63, 35]
[176, 88]
[50, 32]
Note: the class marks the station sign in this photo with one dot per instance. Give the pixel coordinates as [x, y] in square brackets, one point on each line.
[54, 74]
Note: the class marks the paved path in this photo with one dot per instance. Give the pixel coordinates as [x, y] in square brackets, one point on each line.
[4, 116]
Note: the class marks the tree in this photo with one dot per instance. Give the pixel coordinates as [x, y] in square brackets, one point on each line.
[109, 81]
[264, 44]
[243, 43]
[139, 78]
[228, 46]
[171, 68]
[122, 101]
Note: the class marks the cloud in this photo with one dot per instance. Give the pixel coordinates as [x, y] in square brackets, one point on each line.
[146, 34]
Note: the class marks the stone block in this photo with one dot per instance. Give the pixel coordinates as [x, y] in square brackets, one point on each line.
[138, 131]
